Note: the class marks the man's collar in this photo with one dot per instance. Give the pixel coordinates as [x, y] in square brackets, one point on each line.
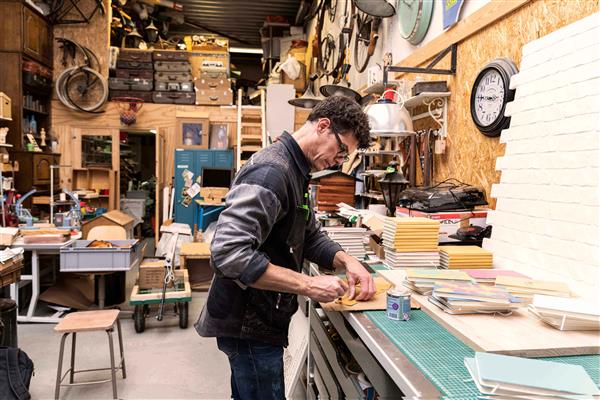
[290, 143]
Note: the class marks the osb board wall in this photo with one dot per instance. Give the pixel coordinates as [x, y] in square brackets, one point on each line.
[95, 35]
[300, 117]
[470, 156]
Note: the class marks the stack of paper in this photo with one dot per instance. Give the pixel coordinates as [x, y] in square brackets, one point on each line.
[465, 257]
[352, 240]
[426, 259]
[488, 276]
[422, 280]
[509, 376]
[567, 314]
[525, 288]
[471, 298]
[411, 242]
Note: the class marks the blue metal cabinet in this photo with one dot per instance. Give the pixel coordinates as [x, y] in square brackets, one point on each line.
[195, 161]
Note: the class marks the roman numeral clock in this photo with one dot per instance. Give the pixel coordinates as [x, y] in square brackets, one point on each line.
[490, 94]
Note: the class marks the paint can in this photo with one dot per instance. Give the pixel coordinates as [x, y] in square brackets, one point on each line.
[398, 304]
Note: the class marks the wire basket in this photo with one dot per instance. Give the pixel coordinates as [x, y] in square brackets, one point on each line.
[128, 108]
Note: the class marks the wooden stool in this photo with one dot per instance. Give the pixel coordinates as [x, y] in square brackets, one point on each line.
[88, 321]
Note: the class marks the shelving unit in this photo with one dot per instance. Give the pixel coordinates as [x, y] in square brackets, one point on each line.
[96, 179]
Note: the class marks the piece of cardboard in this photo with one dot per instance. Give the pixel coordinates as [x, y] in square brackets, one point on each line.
[71, 290]
[152, 273]
[378, 302]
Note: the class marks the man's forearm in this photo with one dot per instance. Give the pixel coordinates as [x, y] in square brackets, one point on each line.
[340, 260]
[281, 279]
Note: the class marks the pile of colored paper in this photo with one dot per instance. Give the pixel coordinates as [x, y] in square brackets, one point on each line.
[411, 242]
[465, 257]
[472, 298]
[513, 377]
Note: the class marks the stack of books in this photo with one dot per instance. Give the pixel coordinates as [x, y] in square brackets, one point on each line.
[566, 314]
[488, 276]
[422, 280]
[517, 377]
[465, 257]
[525, 288]
[352, 240]
[411, 242]
[472, 298]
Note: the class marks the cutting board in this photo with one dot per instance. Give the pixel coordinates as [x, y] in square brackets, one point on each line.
[378, 302]
[519, 334]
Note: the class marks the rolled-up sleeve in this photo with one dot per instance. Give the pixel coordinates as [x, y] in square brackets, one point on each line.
[250, 213]
[318, 247]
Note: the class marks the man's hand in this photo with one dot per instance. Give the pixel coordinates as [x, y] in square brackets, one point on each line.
[325, 288]
[356, 273]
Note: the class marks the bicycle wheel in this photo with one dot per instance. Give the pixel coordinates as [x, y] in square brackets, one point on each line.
[362, 41]
[327, 50]
[82, 89]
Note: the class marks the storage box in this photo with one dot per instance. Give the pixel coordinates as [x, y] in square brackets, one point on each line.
[135, 207]
[135, 73]
[152, 273]
[135, 65]
[142, 85]
[78, 257]
[135, 55]
[212, 97]
[450, 221]
[173, 86]
[163, 76]
[172, 66]
[217, 59]
[169, 55]
[5, 104]
[174, 97]
[376, 247]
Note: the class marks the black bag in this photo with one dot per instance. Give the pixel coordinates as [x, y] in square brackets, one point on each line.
[16, 369]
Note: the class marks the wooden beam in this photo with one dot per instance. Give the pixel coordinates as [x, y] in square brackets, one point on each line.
[485, 16]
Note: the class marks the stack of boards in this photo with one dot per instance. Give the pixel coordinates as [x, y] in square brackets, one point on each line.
[566, 314]
[422, 280]
[465, 257]
[525, 288]
[411, 242]
[525, 378]
[472, 298]
[352, 240]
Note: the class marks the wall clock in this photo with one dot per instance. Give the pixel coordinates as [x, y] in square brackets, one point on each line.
[490, 94]
[414, 17]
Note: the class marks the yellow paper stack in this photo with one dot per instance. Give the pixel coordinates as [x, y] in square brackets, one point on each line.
[411, 242]
[465, 257]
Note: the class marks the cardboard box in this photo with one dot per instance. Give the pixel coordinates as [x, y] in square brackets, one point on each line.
[450, 221]
[197, 58]
[152, 273]
[376, 247]
[5, 104]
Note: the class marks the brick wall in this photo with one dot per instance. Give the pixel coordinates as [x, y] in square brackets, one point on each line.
[546, 222]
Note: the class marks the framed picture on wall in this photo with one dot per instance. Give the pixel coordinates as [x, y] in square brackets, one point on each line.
[192, 133]
[219, 136]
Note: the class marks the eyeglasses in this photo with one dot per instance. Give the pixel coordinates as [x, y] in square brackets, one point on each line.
[343, 148]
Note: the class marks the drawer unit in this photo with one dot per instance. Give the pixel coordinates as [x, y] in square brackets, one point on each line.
[143, 85]
[172, 66]
[214, 97]
[172, 76]
[174, 97]
[165, 55]
[135, 55]
[134, 65]
[146, 96]
[174, 86]
[135, 73]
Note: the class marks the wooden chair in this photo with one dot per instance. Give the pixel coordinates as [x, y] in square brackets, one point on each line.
[89, 321]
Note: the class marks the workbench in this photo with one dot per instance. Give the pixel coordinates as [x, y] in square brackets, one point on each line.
[419, 357]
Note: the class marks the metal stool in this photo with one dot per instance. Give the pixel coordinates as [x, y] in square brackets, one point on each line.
[89, 321]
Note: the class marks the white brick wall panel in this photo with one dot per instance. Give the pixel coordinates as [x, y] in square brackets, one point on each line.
[583, 106]
[577, 159]
[579, 123]
[567, 177]
[500, 163]
[589, 177]
[585, 72]
[588, 196]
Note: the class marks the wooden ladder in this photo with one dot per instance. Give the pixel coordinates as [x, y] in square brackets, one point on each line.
[251, 129]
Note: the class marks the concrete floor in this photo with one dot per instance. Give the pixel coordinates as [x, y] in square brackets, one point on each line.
[163, 362]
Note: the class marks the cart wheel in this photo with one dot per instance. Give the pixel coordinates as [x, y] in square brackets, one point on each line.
[183, 314]
[146, 310]
[139, 319]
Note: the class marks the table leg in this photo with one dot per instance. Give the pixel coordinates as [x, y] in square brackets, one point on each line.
[14, 294]
[35, 283]
[101, 291]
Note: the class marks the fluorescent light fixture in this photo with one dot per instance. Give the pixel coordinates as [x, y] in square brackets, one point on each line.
[244, 50]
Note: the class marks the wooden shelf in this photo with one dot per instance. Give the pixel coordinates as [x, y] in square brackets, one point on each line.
[35, 111]
[419, 100]
[5, 119]
[6, 145]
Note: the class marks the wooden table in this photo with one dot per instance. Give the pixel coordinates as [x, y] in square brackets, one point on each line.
[195, 251]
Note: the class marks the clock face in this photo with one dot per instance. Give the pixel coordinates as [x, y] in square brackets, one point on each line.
[490, 94]
[489, 97]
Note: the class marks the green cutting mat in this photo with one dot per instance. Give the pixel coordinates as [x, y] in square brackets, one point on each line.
[440, 355]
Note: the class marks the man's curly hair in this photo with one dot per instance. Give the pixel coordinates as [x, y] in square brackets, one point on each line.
[345, 115]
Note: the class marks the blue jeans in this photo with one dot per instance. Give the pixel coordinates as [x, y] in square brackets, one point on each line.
[256, 369]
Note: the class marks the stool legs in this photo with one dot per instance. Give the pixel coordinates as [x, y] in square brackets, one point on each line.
[121, 349]
[112, 363]
[60, 360]
[72, 373]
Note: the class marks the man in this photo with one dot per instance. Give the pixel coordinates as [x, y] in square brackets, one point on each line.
[262, 236]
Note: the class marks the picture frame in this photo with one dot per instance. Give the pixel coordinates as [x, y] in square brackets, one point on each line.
[192, 133]
[219, 136]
